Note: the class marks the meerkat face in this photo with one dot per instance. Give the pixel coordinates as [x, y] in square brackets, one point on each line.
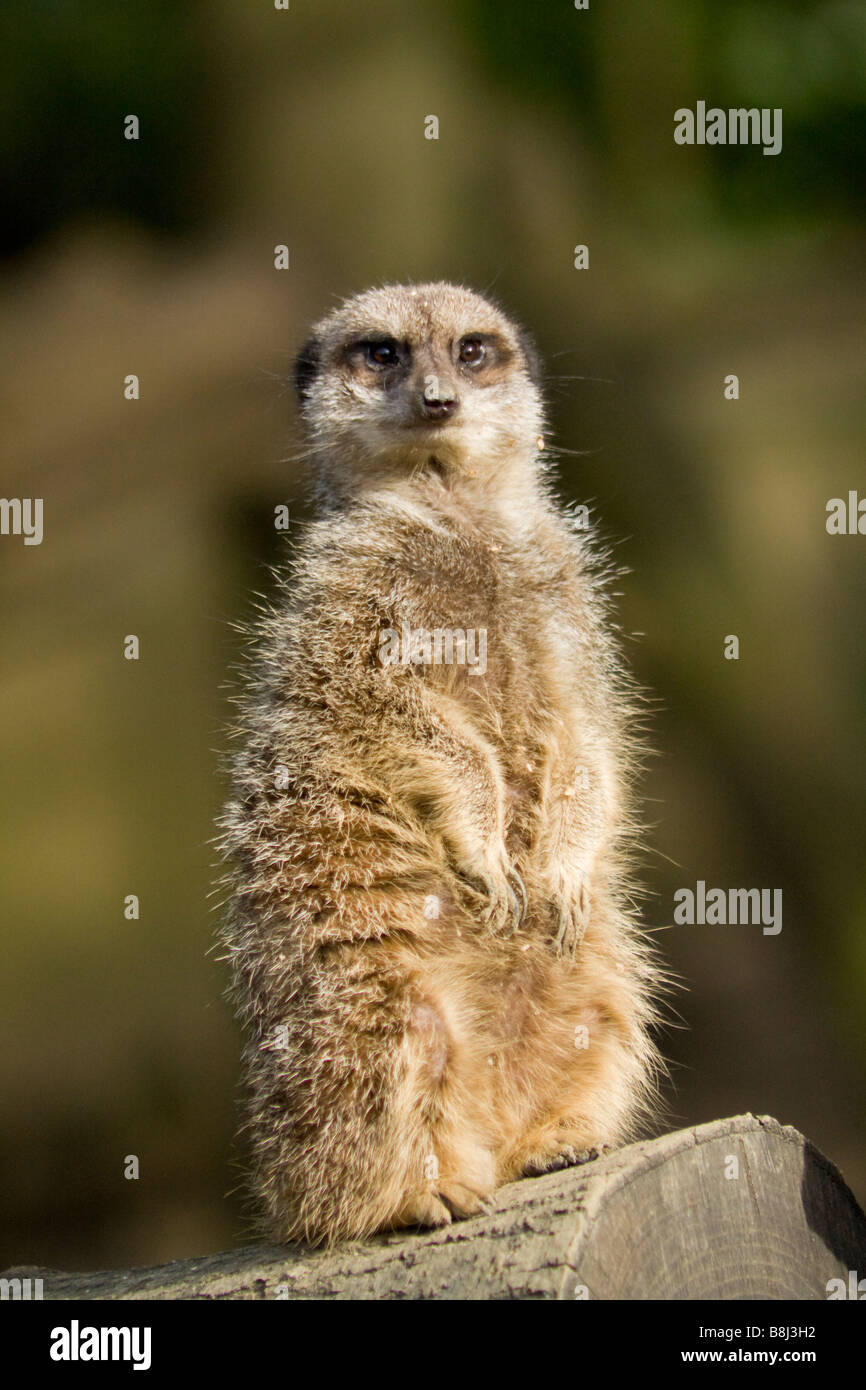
[406, 378]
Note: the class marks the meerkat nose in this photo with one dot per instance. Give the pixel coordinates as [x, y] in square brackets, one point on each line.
[438, 409]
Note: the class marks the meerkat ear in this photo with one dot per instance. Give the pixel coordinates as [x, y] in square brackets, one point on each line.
[531, 355]
[306, 367]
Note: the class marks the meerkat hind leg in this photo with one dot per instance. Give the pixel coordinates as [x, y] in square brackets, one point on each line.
[453, 1172]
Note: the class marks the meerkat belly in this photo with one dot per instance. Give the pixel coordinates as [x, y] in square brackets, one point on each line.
[500, 1032]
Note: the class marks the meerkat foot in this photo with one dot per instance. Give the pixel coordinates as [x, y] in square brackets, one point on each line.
[450, 1201]
[463, 1201]
[598, 1151]
[562, 1155]
[422, 1209]
[566, 1157]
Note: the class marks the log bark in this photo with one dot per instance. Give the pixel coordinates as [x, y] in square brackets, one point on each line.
[669, 1218]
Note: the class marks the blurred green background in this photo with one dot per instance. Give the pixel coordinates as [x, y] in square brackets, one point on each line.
[155, 257]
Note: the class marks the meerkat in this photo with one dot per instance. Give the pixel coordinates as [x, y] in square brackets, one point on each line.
[434, 949]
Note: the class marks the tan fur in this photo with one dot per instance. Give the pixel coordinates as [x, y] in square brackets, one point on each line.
[433, 950]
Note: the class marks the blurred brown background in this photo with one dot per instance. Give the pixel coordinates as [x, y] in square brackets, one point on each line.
[155, 257]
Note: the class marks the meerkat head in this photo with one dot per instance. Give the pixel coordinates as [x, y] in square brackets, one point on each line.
[414, 379]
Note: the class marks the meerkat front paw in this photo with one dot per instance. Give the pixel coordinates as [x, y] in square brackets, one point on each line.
[504, 901]
[517, 893]
[498, 889]
[571, 916]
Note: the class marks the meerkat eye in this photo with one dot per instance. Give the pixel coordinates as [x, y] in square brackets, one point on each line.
[472, 352]
[384, 353]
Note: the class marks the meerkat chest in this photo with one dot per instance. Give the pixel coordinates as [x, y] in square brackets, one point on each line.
[498, 623]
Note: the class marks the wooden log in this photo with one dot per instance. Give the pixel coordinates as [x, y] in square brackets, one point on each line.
[740, 1208]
